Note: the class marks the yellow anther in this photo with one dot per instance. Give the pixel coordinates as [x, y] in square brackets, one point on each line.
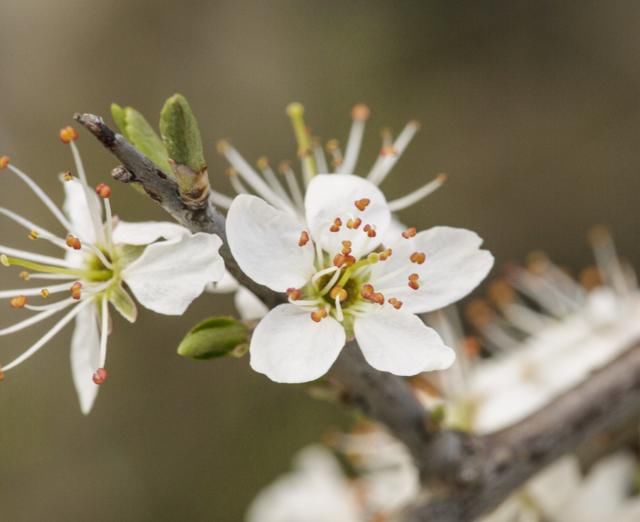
[360, 112]
[362, 204]
[103, 190]
[33, 235]
[335, 227]
[223, 146]
[18, 302]
[44, 293]
[24, 275]
[304, 238]
[418, 258]
[354, 224]
[76, 290]
[263, 163]
[4, 260]
[231, 172]
[73, 242]
[396, 303]
[414, 281]
[369, 230]
[319, 315]
[294, 294]
[4, 162]
[385, 254]
[67, 176]
[409, 233]
[339, 293]
[68, 134]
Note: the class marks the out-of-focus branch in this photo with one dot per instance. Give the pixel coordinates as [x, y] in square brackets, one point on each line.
[502, 462]
[467, 475]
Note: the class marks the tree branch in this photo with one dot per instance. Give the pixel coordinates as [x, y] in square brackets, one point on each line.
[504, 461]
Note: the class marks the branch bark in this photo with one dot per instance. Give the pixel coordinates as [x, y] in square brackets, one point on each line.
[467, 475]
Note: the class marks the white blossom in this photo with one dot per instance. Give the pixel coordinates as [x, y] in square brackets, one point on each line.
[341, 283]
[104, 261]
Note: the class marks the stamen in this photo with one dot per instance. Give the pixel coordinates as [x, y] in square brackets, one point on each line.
[237, 185]
[346, 247]
[354, 224]
[319, 314]
[414, 197]
[252, 177]
[318, 154]
[418, 258]
[47, 337]
[24, 275]
[76, 290]
[369, 230]
[318, 275]
[18, 302]
[607, 259]
[29, 292]
[46, 200]
[414, 281]
[73, 242]
[409, 233]
[13, 256]
[333, 149]
[331, 283]
[36, 231]
[109, 230]
[385, 254]
[295, 111]
[304, 238]
[33, 235]
[4, 161]
[99, 376]
[68, 134]
[338, 306]
[362, 204]
[45, 293]
[67, 176]
[396, 303]
[343, 260]
[26, 323]
[103, 190]
[220, 200]
[271, 178]
[104, 334]
[385, 162]
[294, 294]
[339, 293]
[360, 115]
[292, 184]
[92, 203]
[335, 227]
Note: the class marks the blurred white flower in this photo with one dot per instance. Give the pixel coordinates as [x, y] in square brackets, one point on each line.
[340, 283]
[373, 479]
[546, 333]
[104, 261]
[315, 491]
[287, 192]
[562, 494]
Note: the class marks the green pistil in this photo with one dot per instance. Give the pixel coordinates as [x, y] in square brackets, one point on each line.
[295, 111]
[87, 275]
[371, 259]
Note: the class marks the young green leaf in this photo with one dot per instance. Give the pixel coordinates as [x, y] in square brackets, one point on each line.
[181, 134]
[214, 337]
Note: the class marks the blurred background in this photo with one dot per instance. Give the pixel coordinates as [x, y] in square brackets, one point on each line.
[530, 107]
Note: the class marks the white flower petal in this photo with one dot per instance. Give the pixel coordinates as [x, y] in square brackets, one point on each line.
[169, 275]
[288, 346]
[330, 196]
[225, 285]
[85, 357]
[454, 266]
[76, 207]
[249, 306]
[146, 232]
[264, 242]
[398, 342]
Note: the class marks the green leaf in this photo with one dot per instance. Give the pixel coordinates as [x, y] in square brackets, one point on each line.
[118, 115]
[136, 129]
[181, 134]
[215, 337]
